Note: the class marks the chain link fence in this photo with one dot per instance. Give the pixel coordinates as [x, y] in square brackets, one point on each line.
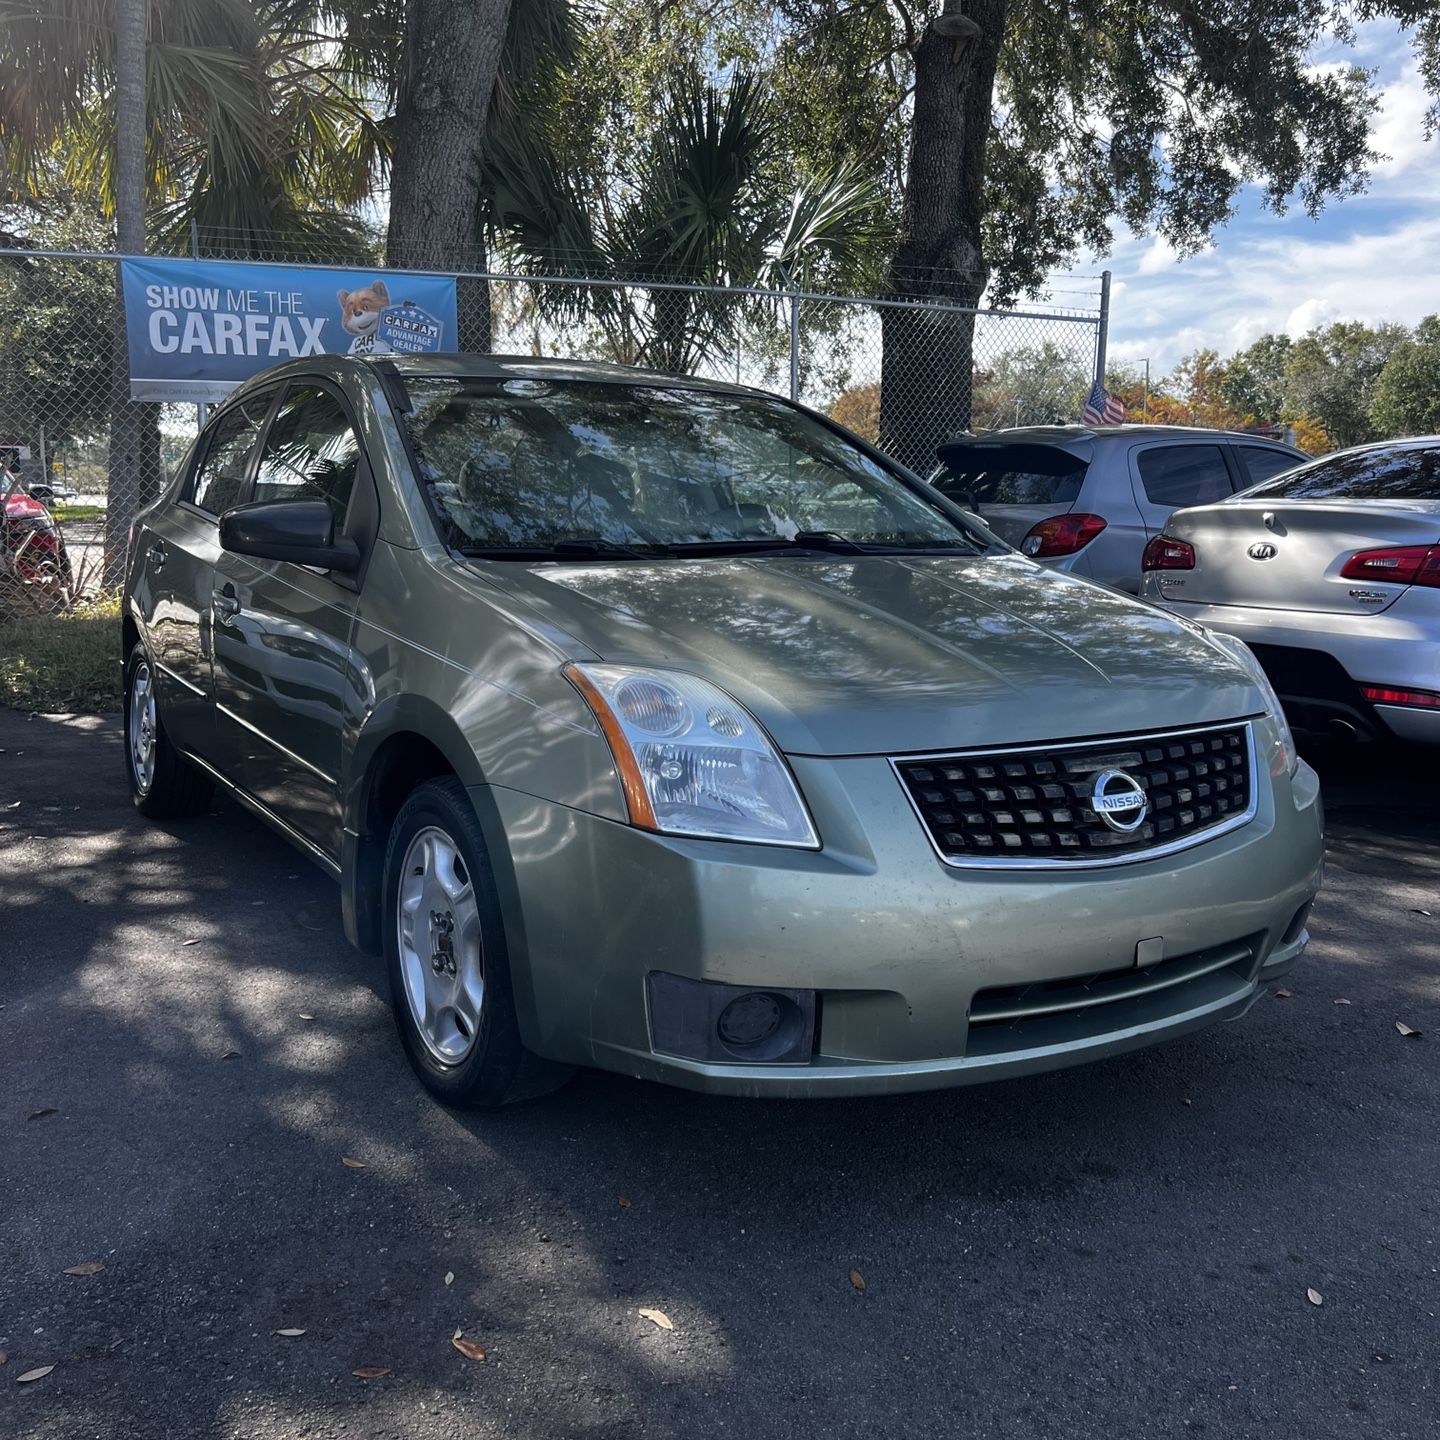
[78, 457]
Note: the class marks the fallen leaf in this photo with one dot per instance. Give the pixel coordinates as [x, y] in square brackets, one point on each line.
[857, 1279]
[41, 1114]
[303, 1016]
[13, 805]
[449, 1277]
[190, 942]
[1187, 1102]
[468, 1348]
[622, 1202]
[458, 1333]
[1314, 1297]
[231, 1055]
[1339, 1002]
[657, 1317]
[288, 1334]
[1419, 912]
[1282, 994]
[1406, 1031]
[30, 1375]
[370, 1372]
[352, 1164]
[3, 1357]
[89, 1267]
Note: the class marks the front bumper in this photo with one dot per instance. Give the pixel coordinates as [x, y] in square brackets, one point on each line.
[896, 945]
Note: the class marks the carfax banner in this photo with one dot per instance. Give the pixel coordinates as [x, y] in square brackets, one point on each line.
[197, 328]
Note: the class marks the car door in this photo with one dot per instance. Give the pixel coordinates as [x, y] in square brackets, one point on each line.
[1174, 475]
[181, 545]
[283, 631]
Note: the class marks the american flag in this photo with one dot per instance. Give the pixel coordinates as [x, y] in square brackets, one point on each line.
[1101, 408]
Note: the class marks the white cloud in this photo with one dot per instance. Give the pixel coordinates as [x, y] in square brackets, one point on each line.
[1308, 315]
[1400, 131]
[1159, 257]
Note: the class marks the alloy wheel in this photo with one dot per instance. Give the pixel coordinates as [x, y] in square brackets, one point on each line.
[141, 728]
[441, 952]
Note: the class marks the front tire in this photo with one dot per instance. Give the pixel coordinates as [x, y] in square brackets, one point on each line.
[163, 784]
[446, 957]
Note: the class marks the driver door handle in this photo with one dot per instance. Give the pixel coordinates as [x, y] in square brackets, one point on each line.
[159, 553]
[226, 606]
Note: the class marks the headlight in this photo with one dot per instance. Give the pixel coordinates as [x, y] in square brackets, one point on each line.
[1284, 759]
[690, 759]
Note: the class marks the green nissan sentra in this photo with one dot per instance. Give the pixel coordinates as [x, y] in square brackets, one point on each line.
[665, 726]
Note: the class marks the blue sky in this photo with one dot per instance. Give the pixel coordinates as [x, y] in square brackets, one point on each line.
[1375, 256]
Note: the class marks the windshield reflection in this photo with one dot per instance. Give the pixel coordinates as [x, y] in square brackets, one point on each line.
[571, 466]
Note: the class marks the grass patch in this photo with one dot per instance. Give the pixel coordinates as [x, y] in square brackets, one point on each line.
[63, 512]
[62, 663]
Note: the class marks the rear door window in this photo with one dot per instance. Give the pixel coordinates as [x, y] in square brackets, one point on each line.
[1262, 463]
[1175, 476]
[219, 479]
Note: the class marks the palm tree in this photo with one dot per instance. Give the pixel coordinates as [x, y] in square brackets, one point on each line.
[704, 208]
[251, 122]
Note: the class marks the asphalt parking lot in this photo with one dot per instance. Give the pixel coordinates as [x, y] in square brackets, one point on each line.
[190, 1053]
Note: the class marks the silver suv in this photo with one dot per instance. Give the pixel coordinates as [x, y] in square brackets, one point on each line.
[1089, 500]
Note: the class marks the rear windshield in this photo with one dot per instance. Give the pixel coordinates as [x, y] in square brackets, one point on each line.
[1401, 474]
[990, 485]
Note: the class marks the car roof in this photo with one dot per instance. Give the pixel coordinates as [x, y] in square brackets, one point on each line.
[490, 367]
[1080, 439]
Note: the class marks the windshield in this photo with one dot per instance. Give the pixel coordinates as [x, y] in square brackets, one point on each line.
[532, 465]
[1401, 473]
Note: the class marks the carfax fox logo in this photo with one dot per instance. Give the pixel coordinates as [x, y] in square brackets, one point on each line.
[360, 312]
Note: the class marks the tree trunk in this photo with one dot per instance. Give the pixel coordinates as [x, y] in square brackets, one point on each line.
[134, 435]
[448, 67]
[927, 375]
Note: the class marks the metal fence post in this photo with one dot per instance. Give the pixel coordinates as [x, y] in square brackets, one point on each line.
[1102, 329]
[794, 342]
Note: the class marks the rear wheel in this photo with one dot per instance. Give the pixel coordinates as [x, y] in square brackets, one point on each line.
[445, 952]
[162, 783]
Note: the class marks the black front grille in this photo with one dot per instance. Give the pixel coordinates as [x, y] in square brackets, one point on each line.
[1035, 805]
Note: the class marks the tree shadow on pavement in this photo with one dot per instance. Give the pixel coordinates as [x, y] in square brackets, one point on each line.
[1099, 1251]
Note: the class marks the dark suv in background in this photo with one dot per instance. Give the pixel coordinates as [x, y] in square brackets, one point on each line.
[1089, 500]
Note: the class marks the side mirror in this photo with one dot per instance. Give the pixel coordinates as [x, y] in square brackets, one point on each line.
[300, 531]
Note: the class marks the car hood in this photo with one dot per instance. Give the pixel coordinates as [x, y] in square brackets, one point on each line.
[886, 655]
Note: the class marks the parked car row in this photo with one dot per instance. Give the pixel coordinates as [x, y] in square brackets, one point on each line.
[1329, 570]
[663, 725]
[1089, 500]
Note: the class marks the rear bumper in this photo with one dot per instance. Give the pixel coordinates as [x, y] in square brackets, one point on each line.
[896, 945]
[1317, 663]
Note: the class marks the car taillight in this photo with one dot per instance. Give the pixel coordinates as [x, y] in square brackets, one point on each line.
[1164, 552]
[1386, 695]
[1061, 535]
[1401, 565]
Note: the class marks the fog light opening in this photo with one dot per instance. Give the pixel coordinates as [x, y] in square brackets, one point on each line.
[750, 1019]
[710, 1021]
[761, 1025]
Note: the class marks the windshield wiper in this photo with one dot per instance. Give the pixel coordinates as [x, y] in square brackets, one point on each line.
[569, 549]
[824, 540]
